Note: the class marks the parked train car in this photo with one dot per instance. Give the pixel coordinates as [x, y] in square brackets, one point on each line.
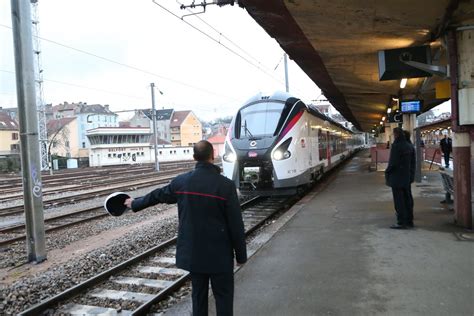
[278, 143]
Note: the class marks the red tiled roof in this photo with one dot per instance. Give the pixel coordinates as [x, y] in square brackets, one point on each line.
[217, 139]
[178, 118]
[7, 123]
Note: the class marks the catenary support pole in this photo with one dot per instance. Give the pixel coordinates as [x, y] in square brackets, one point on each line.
[29, 138]
[153, 115]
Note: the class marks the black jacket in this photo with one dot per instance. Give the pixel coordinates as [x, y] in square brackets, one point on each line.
[210, 220]
[400, 171]
[446, 145]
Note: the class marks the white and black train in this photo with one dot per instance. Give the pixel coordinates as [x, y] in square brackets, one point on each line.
[278, 143]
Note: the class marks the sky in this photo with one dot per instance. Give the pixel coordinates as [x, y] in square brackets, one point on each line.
[136, 42]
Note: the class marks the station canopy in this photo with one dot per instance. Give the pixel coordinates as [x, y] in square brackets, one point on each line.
[336, 44]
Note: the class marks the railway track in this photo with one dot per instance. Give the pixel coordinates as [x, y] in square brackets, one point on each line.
[13, 187]
[16, 233]
[146, 279]
[128, 186]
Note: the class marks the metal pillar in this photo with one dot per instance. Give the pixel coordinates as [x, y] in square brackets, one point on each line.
[153, 115]
[29, 142]
[461, 51]
[419, 155]
[287, 84]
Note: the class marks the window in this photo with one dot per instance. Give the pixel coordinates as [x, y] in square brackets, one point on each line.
[260, 119]
[83, 144]
[66, 144]
[110, 155]
[14, 136]
[14, 147]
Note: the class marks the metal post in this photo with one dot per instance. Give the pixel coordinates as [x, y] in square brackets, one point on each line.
[419, 158]
[29, 140]
[287, 84]
[153, 115]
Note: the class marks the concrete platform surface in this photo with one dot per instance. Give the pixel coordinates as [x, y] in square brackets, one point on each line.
[337, 255]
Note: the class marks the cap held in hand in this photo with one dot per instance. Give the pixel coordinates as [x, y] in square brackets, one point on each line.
[114, 203]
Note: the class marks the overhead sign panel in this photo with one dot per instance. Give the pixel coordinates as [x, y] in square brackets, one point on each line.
[392, 66]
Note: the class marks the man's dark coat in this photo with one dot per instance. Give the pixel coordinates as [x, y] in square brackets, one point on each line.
[400, 169]
[210, 220]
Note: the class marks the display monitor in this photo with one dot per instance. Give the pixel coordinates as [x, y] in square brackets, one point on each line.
[411, 106]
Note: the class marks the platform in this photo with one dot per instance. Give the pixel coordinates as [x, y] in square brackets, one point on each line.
[337, 255]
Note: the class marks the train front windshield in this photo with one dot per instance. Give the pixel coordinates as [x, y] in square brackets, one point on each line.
[260, 120]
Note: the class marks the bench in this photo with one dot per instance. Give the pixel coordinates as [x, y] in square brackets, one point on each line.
[447, 179]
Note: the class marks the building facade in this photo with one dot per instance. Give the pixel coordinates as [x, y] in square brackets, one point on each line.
[116, 146]
[186, 129]
[63, 138]
[9, 135]
[88, 116]
[144, 118]
[130, 145]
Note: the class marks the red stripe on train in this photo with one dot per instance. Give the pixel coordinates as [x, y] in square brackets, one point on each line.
[291, 124]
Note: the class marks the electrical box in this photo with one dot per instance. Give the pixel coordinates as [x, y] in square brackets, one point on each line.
[466, 106]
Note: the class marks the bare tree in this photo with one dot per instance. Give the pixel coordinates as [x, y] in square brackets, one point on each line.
[58, 137]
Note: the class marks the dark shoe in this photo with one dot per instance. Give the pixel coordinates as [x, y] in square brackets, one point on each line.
[397, 226]
[443, 202]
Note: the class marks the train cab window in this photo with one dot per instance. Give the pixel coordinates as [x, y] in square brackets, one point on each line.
[259, 120]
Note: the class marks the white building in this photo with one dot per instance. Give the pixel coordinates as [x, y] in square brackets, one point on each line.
[116, 146]
[129, 145]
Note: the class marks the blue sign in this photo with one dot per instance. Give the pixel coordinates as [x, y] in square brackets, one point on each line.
[412, 106]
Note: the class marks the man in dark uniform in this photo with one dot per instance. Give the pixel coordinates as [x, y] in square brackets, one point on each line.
[398, 177]
[446, 145]
[210, 229]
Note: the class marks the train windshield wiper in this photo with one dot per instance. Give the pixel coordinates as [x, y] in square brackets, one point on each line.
[247, 130]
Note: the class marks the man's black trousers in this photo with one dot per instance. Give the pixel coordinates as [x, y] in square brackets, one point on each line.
[222, 289]
[402, 201]
[446, 159]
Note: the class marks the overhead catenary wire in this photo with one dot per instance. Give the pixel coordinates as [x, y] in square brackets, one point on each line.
[83, 87]
[224, 36]
[129, 66]
[218, 42]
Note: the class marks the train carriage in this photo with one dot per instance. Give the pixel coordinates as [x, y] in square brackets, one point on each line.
[278, 143]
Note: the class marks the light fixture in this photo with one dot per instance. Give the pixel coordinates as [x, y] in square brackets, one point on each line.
[383, 119]
[389, 110]
[403, 83]
[381, 122]
[394, 99]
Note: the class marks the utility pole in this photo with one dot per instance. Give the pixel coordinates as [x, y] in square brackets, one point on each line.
[287, 84]
[29, 140]
[153, 115]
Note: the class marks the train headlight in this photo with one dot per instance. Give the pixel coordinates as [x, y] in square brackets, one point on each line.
[282, 152]
[229, 157]
[280, 155]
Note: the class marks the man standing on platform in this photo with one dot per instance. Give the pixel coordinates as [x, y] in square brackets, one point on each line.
[210, 229]
[446, 145]
[398, 177]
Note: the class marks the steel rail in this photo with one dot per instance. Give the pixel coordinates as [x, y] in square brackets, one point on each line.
[69, 293]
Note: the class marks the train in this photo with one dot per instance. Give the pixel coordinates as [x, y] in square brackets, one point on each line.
[278, 144]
